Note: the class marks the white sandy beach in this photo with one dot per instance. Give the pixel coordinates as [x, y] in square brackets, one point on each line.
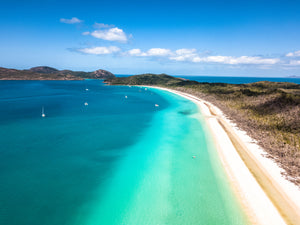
[256, 197]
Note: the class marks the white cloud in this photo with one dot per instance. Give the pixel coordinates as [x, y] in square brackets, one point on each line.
[295, 63]
[100, 50]
[112, 34]
[102, 25]
[86, 33]
[237, 60]
[136, 52]
[185, 51]
[73, 20]
[293, 54]
[184, 54]
[159, 52]
[255, 60]
[191, 55]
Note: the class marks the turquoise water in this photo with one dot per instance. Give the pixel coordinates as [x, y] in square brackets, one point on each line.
[116, 161]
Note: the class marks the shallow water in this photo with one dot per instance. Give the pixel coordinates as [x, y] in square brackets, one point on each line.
[116, 161]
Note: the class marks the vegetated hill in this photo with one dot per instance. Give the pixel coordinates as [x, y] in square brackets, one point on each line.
[268, 111]
[149, 79]
[146, 79]
[49, 73]
[43, 69]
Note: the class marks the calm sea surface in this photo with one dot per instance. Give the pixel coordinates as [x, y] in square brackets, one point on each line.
[116, 160]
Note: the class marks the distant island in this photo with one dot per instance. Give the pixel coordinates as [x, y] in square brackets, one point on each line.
[268, 111]
[293, 76]
[49, 73]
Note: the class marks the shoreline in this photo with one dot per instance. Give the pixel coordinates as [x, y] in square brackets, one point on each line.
[266, 196]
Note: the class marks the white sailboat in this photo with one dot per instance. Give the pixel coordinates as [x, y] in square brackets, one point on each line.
[86, 89]
[43, 113]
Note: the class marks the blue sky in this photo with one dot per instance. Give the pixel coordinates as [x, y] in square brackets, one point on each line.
[220, 38]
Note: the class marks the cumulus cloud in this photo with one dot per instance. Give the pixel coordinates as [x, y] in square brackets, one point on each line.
[184, 54]
[293, 54]
[191, 55]
[136, 52]
[101, 50]
[112, 34]
[237, 60]
[157, 52]
[73, 20]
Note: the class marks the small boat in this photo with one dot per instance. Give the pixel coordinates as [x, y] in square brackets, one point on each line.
[145, 89]
[156, 105]
[86, 104]
[43, 113]
[194, 156]
[126, 96]
[86, 89]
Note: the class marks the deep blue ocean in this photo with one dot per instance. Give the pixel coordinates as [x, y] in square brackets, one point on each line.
[114, 160]
[235, 80]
